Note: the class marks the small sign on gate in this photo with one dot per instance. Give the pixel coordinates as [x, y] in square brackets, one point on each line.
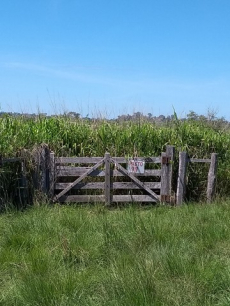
[136, 166]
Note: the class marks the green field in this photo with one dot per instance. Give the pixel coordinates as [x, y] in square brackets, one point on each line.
[65, 255]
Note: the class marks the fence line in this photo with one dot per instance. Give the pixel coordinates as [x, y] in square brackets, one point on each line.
[67, 179]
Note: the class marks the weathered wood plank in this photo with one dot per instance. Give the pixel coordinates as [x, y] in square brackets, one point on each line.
[164, 178]
[82, 185]
[198, 160]
[123, 160]
[71, 185]
[135, 180]
[101, 185]
[94, 160]
[107, 178]
[101, 198]
[212, 177]
[131, 185]
[166, 173]
[83, 198]
[77, 160]
[181, 182]
[77, 171]
[133, 198]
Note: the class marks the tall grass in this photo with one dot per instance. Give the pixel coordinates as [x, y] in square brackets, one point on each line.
[66, 136]
[92, 256]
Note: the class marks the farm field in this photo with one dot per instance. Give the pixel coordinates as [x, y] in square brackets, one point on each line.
[91, 255]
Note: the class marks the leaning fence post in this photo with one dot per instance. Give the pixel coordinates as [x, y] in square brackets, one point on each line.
[107, 179]
[212, 177]
[181, 182]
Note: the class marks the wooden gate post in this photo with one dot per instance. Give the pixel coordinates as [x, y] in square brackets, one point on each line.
[170, 151]
[48, 172]
[181, 182]
[107, 179]
[212, 177]
[166, 173]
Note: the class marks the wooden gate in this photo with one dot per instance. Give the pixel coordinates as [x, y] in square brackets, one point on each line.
[106, 179]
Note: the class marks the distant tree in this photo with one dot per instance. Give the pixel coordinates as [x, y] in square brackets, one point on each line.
[192, 115]
[73, 115]
[137, 115]
[150, 116]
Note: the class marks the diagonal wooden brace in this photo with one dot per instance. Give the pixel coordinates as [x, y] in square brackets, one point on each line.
[138, 182]
[71, 185]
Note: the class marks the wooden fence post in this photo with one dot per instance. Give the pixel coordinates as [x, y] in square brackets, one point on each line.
[45, 170]
[23, 184]
[170, 151]
[51, 174]
[212, 177]
[166, 174]
[181, 182]
[107, 179]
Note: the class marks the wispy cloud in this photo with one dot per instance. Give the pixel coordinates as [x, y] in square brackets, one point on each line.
[58, 73]
[130, 81]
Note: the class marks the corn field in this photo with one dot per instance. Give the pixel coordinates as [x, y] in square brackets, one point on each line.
[82, 137]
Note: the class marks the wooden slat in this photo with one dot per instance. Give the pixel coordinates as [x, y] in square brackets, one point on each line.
[77, 171]
[131, 185]
[123, 160]
[81, 185]
[71, 185]
[133, 198]
[83, 198]
[135, 180]
[94, 160]
[115, 185]
[77, 160]
[101, 198]
[197, 160]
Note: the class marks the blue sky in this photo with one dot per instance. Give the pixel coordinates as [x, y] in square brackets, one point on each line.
[115, 57]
